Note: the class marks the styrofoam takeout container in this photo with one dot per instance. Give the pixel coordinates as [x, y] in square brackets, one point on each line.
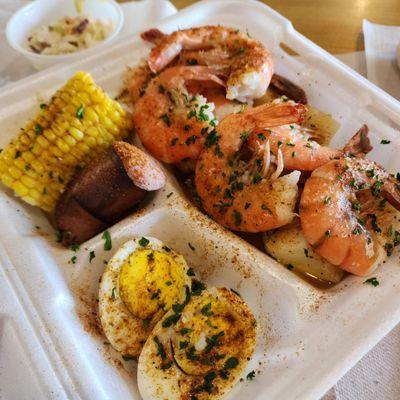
[308, 338]
[44, 12]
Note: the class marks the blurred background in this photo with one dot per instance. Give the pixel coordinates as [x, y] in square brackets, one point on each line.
[335, 25]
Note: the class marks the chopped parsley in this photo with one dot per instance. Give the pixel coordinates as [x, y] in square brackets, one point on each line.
[107, 240]
[244, 135]
[190, 140]
[370, 173]
[161, 89]
[385, 141]
[160, 348]
[171, 320]
[372, 281]
[213, 341]
[166, 119]
[251, 375]
[38, 129]
[247, 205]
[328, 233]
[113, 293]
[206, 310]
[80, 112]
[231, 362]
[376, 188]
[73, 260]
[211, 138]
[327, 200]
[183, 344]
[197, 288]
[389, 248]
[261, 136]
[169, 195]
[59, 236]
[191, 354]
[265, 208]
[237, 217]
[144, 241]
[167, 365]
[75, 247]
[256, 177]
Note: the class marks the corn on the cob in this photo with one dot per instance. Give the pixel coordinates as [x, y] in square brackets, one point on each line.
[79, 122]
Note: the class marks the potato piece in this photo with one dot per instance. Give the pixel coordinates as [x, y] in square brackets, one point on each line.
[288, 246]
[324, 124]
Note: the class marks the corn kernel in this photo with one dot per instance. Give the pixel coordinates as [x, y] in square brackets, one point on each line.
[15, 172]
[20, 189]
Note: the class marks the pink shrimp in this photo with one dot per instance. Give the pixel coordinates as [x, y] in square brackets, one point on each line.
[241, 187]
[333, 219]
[300, 152]
[248, 63]
[169, 120]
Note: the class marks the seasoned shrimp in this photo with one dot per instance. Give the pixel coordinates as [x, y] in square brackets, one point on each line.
[240, 186]
[300, 152]
[169, 120]
[333, 219]
[248, 63]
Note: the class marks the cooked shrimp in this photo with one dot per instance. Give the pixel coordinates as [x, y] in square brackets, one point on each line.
[250, 64]
[333, 218]
[170, 121]
[240, 186]
[302, 153]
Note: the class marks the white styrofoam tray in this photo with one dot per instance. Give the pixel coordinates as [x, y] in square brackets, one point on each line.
[307, 337]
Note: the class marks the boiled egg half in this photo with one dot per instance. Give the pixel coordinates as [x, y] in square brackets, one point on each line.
[139, 285]
[199, 349]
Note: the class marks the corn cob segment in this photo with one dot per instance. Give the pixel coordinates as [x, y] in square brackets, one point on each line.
[79, 122]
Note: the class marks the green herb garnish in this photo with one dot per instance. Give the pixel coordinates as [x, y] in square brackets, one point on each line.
[80, 112]
[107, 240]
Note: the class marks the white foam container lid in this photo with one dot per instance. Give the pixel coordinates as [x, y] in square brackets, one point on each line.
[307, 337]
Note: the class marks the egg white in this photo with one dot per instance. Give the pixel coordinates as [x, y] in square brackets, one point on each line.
[159, 375]
[126, 332]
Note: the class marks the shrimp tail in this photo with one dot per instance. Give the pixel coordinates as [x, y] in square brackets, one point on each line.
[273, 115]
[287, 88]
[201, 73]
[153, 35]
[359, 144]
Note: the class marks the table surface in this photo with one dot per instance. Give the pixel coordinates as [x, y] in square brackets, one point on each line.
[335, 25]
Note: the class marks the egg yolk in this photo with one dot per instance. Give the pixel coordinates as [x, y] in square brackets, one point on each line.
[150, 281]
[208, 333]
